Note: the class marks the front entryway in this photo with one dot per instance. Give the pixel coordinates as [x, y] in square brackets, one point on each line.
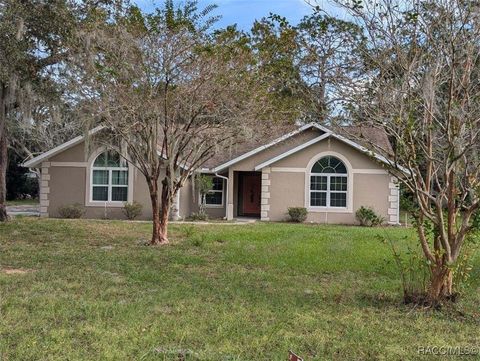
[249, 194]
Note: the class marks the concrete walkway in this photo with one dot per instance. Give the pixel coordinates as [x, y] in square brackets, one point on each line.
[34, 211]
[24, 210]
[234, 222]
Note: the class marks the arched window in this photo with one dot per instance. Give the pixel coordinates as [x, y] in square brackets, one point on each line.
[109, 178]
[328, 183]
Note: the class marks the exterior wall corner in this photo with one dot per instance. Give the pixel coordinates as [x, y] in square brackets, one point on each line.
[265, 195]
[393, 202]
[44, 189]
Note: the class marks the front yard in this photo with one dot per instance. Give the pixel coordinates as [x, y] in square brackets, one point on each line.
[91, 290]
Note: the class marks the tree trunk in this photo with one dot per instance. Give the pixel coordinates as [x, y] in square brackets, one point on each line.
[159, 216]
[3, 154]
[164, 213]
[155, 219]
[3, 177]
[153, 188]
[441, 285]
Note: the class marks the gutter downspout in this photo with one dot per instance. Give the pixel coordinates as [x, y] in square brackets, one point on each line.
[226, 193]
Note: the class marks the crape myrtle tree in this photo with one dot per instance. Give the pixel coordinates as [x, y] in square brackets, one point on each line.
[423, 89]
[172, 93]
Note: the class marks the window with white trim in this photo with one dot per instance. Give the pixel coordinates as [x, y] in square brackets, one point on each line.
[109, 178]
[328, 183]
[214, 197]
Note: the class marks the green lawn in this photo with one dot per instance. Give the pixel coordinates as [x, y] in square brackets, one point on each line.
[94, 291]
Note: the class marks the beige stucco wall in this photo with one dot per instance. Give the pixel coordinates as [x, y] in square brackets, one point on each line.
[65, 178]
[73, 154]
[284, 182]
[249, 164]
[370, 190]
[369, 184]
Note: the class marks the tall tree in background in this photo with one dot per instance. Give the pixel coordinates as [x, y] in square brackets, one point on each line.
[423, 89]
[171, 93]
[310, 64]
[329, 61]
[273, 42]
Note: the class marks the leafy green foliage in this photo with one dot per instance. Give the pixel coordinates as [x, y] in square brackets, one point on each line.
[367, 217]
[297, 214]
[37, 40]
[20, 183]
[204, 184]
[198, 217]
[132, 210]
[275, 48]
[476, 221]
[309, 64]
[327, 60]
[412, 268]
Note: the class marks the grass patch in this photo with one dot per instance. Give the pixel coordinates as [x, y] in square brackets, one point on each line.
[248, 292]
[22, 202]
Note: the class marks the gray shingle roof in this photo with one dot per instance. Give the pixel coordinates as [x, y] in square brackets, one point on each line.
[365, 136]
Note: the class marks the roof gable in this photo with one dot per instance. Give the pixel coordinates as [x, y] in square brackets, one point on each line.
[259, 148]
[326, 133]
[36, 161]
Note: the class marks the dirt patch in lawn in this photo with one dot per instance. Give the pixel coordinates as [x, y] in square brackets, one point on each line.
[15, 271]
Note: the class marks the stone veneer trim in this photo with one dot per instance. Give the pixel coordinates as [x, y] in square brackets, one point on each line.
[393, 202]
[265, 197]
[44, 189]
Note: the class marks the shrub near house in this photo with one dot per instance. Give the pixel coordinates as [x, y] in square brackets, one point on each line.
[73, 211]
[297, 214]
[366, 216]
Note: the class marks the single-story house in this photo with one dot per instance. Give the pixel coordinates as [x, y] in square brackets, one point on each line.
[326, 172]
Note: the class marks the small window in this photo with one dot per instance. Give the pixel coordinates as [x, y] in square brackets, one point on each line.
[109, 182]
[215, 196]
[329, 183]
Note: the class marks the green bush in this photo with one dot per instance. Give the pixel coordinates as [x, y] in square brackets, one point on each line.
[200, 216]
[297, 214]
[132, 210]
[367, 217]
[71, 211]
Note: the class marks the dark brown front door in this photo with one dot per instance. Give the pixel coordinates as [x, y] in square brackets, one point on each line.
[251, 189]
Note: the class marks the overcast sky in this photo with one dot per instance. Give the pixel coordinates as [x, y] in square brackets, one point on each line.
[244, 12]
